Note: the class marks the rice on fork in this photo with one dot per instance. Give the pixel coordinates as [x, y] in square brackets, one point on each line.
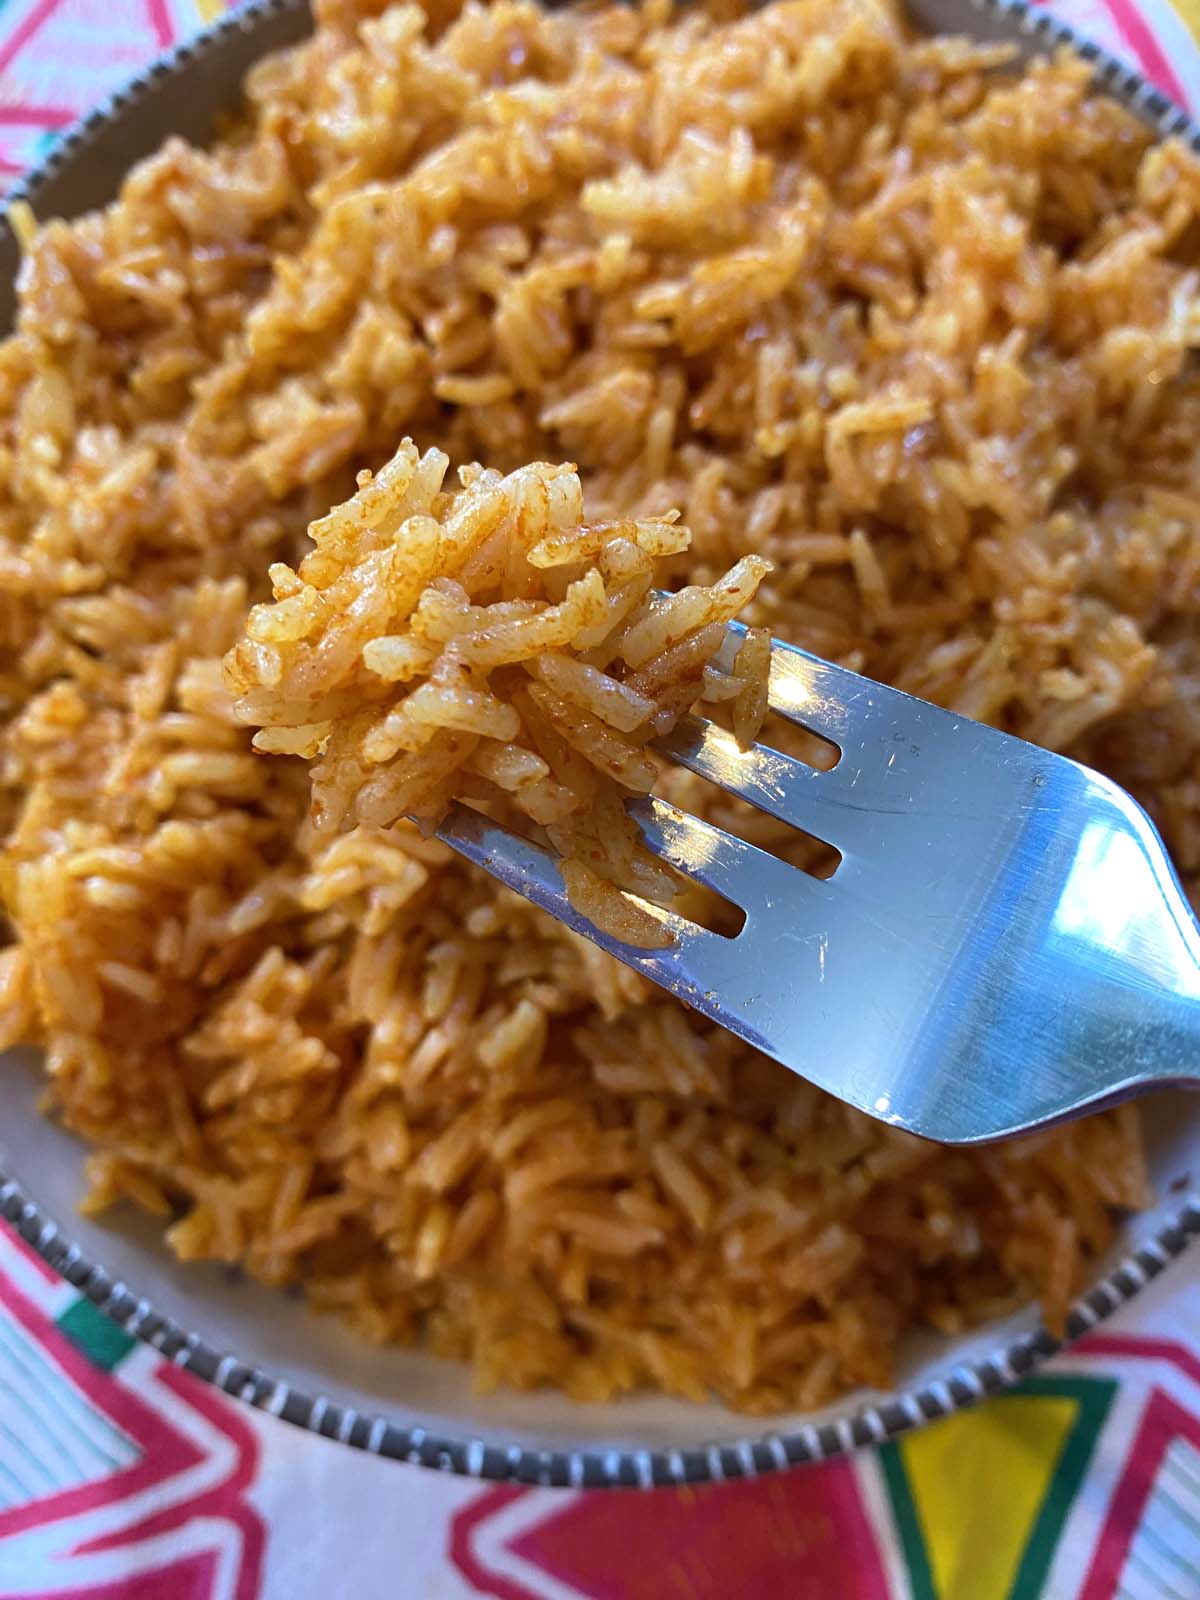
[492, 645]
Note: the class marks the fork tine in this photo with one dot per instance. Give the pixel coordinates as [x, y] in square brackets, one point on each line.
[828, 700]
[533, 872]
[517, 862]
[744, 874]
[719, 976]
[822, 804]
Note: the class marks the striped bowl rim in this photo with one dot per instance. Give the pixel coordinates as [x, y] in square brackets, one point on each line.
[232, 38]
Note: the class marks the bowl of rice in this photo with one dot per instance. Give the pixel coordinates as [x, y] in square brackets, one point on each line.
[398, 404]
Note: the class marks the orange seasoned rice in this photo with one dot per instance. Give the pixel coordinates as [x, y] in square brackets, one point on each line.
[914, 331]
[493, 647]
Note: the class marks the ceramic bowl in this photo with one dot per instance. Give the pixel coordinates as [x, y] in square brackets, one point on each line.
[267, 1348]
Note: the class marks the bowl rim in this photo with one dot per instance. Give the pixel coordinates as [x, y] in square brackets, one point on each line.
[609, 1467]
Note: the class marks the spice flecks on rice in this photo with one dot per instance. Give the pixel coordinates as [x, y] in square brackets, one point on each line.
[492, 645]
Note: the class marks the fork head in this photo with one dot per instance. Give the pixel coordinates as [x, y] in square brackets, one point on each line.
[1002, 945]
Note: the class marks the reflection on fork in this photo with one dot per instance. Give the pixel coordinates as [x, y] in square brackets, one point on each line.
[1003, 944]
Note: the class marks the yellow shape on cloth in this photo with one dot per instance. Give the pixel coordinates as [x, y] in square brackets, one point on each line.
[1189, 15]
[978, 1481]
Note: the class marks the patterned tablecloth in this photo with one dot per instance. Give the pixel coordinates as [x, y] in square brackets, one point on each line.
[123, 1478]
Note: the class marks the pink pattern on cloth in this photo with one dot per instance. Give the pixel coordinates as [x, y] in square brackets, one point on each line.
[804, 1535]
[174, 1484]
[59, 57]
[1144, 48]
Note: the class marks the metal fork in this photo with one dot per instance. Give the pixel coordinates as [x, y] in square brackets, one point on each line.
[1003, 945]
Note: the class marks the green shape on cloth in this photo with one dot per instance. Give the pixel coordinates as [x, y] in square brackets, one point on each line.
[1092, 1397]
[101, 1340]
[908, 1524]
[1095, 1397]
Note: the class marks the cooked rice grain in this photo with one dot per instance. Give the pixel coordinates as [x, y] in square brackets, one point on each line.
[421, 615]
[918, 333]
